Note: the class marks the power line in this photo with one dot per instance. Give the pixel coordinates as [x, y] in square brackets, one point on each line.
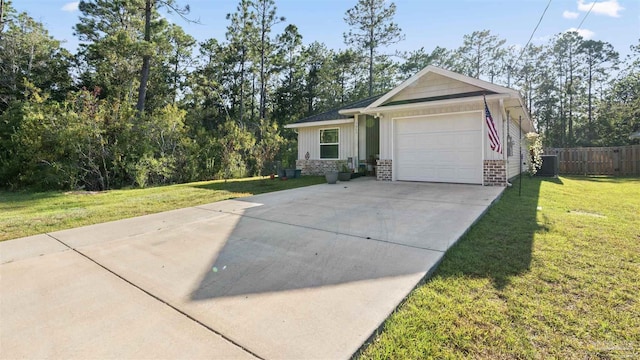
[533, 33]
[587, 14]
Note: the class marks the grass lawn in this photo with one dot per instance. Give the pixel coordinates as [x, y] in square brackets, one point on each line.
[24, 213]
[553, 274]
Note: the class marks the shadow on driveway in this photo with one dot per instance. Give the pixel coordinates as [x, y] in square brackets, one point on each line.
[266, 257]
[338, 234]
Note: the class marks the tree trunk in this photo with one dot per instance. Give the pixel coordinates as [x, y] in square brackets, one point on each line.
[30, 62]
[570, 91]
[530, 95]
[311, 91]
[242, 71]
[175, 78]
[291, 69]
[253, 96]
[563, 124]
[146, 59]
[478, 55]
[1, 17]
[371, 71]
[262, 76]
[590, 125]
[342, 85]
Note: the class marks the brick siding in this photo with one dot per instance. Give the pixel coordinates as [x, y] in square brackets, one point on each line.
[495, 173]
[318, 167]
[384, 170]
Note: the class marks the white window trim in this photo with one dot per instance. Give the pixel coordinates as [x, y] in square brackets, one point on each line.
[321, 143]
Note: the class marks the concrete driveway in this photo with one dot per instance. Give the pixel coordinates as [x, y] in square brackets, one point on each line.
[304, 273]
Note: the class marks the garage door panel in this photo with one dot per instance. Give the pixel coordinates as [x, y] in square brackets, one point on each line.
[467, 140]
[439, 148]
[413, 127]
[469, 123]
[434, 124]
[445, 140]
[437, 174]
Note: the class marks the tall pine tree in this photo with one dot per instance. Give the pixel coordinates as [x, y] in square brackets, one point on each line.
[372, 27]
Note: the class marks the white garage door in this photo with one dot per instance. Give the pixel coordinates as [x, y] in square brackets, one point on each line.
[443, 148]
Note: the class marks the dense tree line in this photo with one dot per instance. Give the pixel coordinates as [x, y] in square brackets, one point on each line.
[143, 103]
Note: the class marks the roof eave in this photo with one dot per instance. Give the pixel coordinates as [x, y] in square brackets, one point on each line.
[383, 109]
[355, 111]
[319, 123]
[527, 122]
[532, 127]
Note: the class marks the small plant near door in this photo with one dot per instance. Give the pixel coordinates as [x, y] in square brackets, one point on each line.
[344, 173]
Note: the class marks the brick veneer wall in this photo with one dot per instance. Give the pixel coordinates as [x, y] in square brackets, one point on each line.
[384, 170]
[495, 173]
[318, 167]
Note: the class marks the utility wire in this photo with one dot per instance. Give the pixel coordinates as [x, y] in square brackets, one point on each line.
[587, 14]
[534, 31]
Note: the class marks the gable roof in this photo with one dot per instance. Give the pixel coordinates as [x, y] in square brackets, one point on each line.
[334, 114]
[375, 105]
[493, 88]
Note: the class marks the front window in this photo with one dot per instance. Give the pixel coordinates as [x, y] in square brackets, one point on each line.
[329, 143]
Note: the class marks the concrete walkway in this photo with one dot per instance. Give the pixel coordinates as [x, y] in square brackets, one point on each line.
[304, 273]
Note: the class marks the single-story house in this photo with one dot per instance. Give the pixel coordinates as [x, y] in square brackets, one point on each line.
[433, 127]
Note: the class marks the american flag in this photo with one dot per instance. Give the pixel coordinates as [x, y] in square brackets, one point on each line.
[494, 138]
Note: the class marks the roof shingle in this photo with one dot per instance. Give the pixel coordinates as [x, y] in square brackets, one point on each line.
[334, 114]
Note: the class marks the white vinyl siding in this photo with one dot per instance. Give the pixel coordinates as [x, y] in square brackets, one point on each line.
[513, 162]
[433, 85]
[309, 141]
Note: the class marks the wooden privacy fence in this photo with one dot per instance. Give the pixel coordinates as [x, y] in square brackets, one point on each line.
[617, 160]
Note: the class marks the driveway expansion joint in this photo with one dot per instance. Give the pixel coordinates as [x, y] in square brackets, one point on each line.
[157, 298]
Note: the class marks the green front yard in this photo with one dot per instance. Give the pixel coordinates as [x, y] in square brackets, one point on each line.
[23, 214]
[554, 273]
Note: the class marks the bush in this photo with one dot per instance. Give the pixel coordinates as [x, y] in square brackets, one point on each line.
[534, 145]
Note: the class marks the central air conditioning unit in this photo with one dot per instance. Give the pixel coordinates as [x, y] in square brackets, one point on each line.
[549, 166]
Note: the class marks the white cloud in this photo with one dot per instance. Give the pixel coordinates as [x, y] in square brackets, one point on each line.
[609, 7]
[570, 14]
[585, 33]
[71, 7]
